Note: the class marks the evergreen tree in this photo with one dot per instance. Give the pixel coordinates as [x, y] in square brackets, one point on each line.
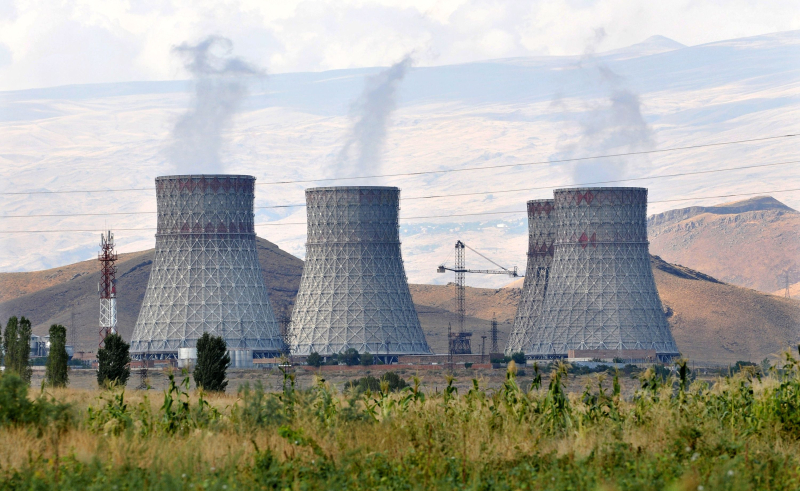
[212, 362]
[10, 344]
[114, 360]
[22, 348]
[367, 359]
[56, 373]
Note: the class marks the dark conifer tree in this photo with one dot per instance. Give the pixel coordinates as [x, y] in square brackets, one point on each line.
[114, 360]
[22, 347]
[212, 363]
[56, 373]
[10, 344]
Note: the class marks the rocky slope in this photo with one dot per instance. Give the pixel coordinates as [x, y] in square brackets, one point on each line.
[747, 243]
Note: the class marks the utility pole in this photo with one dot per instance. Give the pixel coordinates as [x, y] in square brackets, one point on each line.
[73, 335]
[107, 287]
[494, 332]
[787, 293]
[450, 347]
[483, 349]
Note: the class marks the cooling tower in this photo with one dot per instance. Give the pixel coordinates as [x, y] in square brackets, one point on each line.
[354, 292]
[205, 275]
[601, 295]
[541, 234]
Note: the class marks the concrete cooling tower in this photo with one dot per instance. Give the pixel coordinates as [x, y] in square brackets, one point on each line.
[601, 297]
[541, 235]
[354, 292]
[205, 275]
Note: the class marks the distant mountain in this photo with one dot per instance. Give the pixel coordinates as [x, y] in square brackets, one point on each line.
[508, 113]
[748, 243]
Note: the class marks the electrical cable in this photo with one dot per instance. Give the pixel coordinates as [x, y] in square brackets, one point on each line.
[419, 217]
[663, 176]
[442, 171]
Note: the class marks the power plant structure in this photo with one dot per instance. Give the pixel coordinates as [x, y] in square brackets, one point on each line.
[354, 291]
[601, 299]
[205, 275]
[541, 235]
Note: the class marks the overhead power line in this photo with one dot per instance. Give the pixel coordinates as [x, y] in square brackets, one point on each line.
[594, 183]
[453, 215]
[441, 171]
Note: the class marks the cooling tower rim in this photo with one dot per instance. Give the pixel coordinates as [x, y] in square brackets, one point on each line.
[353, 188]
[548, 200]
[198, 176]
[610, 188]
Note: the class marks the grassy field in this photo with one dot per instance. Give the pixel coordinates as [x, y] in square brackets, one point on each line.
[672, 432]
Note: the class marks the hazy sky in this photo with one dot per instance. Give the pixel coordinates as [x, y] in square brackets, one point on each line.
[47, 43]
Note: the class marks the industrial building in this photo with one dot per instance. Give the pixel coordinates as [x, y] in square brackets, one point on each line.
[354, 291]
[205, 275]
[601, 299]
[541, 235]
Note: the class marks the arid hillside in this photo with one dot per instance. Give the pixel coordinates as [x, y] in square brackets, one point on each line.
[53, 296]
[747, 243]
[711, 321]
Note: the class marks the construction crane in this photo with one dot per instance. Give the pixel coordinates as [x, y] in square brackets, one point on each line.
[459, 343]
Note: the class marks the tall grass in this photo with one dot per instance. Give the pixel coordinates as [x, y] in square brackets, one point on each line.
[739, 432]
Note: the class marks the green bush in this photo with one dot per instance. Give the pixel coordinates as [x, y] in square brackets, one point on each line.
[374, 384]
[367, 359]
[350, 357]
[518, 357]
[314, 359]
[16, 409]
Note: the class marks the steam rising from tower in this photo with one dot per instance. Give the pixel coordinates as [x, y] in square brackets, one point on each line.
[601, 295]
[205, 275]
[541, 234]
[354, 292]
[372, 111]
[219, 81]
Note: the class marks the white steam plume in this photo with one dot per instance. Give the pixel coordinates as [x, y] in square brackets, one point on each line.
[219, 89]
[615, 125]
[371, 112]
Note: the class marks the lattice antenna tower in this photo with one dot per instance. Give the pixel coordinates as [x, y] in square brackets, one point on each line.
[107, 287]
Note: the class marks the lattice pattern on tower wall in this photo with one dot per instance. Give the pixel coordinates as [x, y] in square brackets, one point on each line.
[541, 238]
[354, 292]
[601, 293]
[205, 275]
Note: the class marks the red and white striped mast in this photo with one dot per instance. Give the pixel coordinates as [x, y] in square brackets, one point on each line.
[107, 286]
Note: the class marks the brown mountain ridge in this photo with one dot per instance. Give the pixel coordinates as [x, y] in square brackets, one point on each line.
[748, 243]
